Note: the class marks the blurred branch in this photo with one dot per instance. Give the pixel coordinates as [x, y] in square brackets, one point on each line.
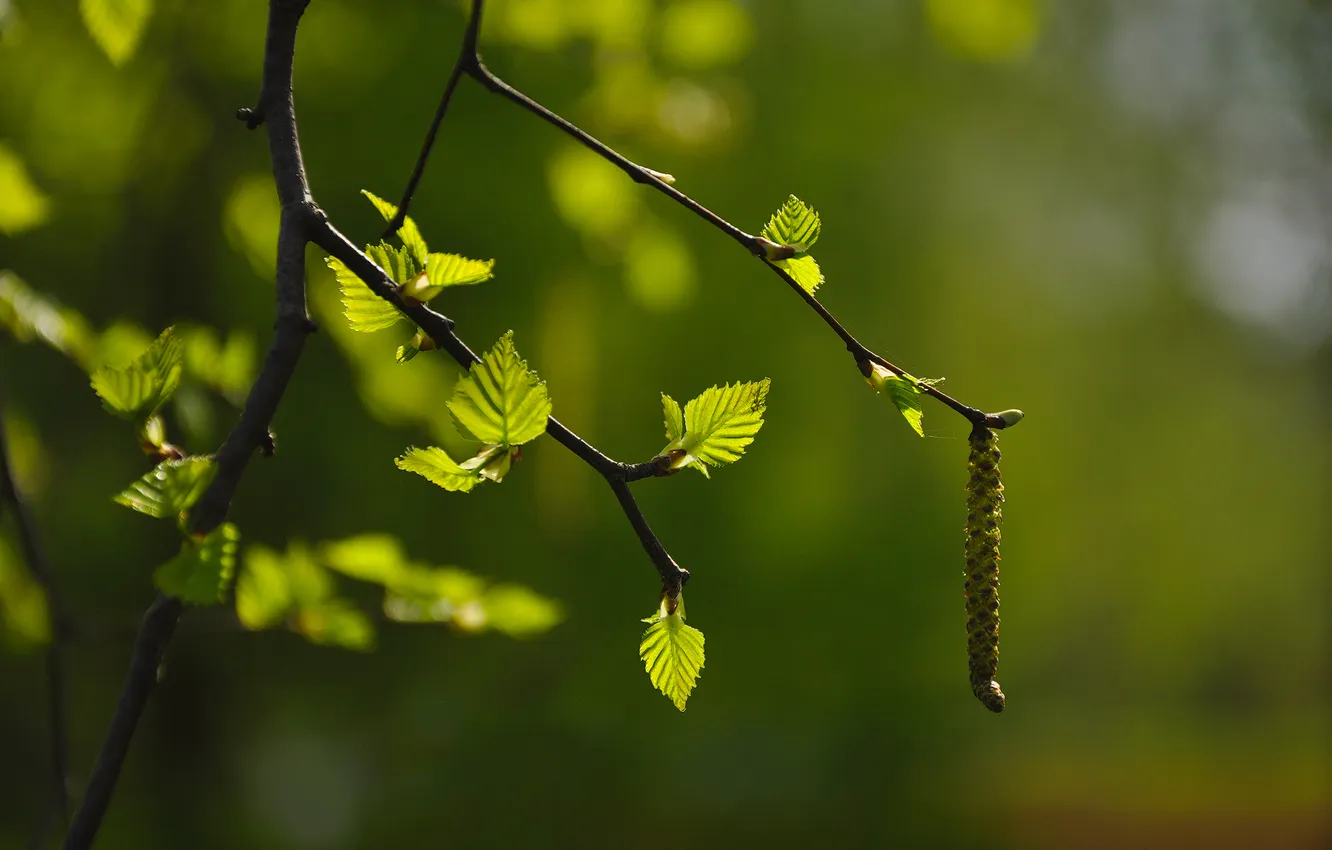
[40, 568]
[251, 432]
[469, 62]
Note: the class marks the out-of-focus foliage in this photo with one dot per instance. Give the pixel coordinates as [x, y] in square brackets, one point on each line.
[1112, 214]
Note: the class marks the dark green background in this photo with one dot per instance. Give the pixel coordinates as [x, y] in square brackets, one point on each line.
[1110, 214]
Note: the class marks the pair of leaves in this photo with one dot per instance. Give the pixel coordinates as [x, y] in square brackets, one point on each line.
[421, 274]
[713, 428]
[671, 651]
[137, 391]
[904, 390]
[796, 225]
[501, 404]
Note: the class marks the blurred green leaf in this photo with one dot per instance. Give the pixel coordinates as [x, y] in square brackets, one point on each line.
[200, 573]
[116, 25]
[139, 389]
[336, 622]
[795, 223]
[715, 427]
[29, 315]
[500, 402]
[263, 590]
[23, 205]
[170, 488]
[409, 233]
[376, 558]
[520, 612]
[25, 618]
[672, 652]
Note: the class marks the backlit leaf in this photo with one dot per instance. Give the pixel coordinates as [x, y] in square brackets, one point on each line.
[365, 311]
[170, 488]
[717, 426]
[672, 653]
[795, 224]
[500, 402]
[803, 270]
[409, 233]
[139, 389]
[434, 464]
[336, 622]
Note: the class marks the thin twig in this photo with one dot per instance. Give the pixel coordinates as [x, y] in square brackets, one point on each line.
[40, 568]
[466, 55]
[469, 62]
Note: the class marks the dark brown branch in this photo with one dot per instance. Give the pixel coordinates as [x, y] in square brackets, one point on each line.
[469, 62]
[251, 432]
[40, 568]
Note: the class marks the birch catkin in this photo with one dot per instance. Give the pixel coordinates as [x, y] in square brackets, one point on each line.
[985, 496]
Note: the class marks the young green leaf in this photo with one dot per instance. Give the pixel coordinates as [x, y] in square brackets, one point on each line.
[366, 312]
[409, 233]
[672, 652]
[715, 428]
[434, 465]
[905, 392]
[200, 573]
[803, 270]
[795, 224]
[170, 488]
[376, 558]
[444, 270]
[139, 389]
[116, 25]
[500, 402]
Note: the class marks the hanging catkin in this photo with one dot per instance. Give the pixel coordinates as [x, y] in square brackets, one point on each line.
[985, 496]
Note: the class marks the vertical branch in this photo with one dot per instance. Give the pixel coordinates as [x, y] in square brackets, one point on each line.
[55, 668]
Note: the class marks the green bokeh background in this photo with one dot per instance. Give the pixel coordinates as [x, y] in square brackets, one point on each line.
[1110, 214]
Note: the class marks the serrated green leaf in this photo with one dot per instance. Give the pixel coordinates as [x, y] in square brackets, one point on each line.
[674, 418]
[795, 224]
[376, 558]
[672, 653]
[444, 270]
[116, 25]
[397, 263]
[336, 622]
[170, 488]
[803, 270]
[717, 425]
[365, 311]
[200, 573]
[434, 465]
[263, 591]
[409, 233]
[139, 389]
[500, 402]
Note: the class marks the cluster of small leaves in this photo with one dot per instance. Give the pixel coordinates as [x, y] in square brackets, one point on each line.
[500, 404]
[419, 274]
[202, 571]
[795, 226]
[672, 652]
[714, 428]
[297, 589]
